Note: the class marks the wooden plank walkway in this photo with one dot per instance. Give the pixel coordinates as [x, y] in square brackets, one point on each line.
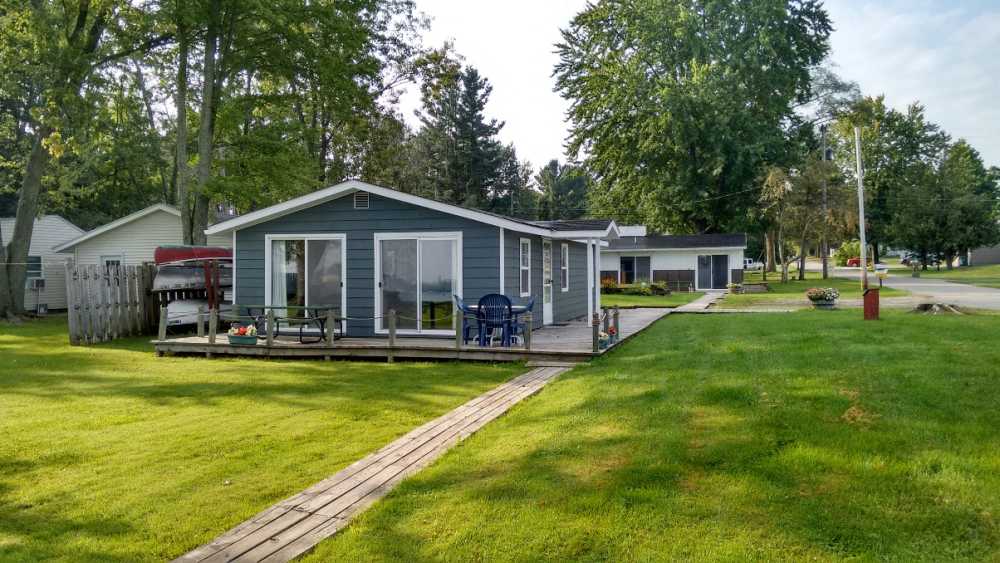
[294, 526]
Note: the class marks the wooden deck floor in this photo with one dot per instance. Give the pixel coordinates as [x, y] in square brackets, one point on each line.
[571, 342]
[295, 525]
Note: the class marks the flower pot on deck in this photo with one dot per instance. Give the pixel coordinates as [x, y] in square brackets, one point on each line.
[237, 340]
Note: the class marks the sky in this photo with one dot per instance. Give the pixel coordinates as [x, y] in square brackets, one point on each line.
[944, 54]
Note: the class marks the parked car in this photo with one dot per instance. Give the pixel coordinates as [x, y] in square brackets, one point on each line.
[853, 262]
[751, 264]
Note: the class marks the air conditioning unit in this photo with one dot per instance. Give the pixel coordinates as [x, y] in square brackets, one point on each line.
[37, 284]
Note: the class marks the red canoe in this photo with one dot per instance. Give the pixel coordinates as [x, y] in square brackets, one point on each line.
[175, 254]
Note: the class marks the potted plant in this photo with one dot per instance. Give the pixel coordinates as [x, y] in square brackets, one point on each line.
[240, 335]
[602, 340]
[823, 297]
[613, 333]
[735, 287]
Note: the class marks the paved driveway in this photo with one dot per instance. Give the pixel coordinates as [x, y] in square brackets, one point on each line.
[935, 290]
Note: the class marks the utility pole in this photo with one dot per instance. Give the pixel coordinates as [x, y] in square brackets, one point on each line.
[861, 208]
[824, 247]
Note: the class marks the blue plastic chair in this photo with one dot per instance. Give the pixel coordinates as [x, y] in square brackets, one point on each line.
[467, 314]
[495, 312]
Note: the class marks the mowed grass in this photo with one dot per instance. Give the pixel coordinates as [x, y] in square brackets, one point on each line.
[111, 454]
[801, 436]
[675, 299]
[793, 293]
[983, 276]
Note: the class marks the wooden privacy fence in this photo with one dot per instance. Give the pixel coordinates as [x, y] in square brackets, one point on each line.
[110, 302]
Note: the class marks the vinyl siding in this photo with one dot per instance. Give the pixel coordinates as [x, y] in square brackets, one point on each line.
[48, 232]
[480, 249]
[679, 259]
[565, 306]
[136, 241]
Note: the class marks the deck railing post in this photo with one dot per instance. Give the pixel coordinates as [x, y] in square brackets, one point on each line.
[201, 321]
[528, 325]
[392, 334]
[213, 324]
[330, 319]
[618, 329]
[162, 332]
[270, 328]
[607, 319]
[595, 325]
[458, 320]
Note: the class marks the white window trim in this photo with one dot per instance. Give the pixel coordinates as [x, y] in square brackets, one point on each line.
[525, 292]
[41, 268]
[269, 238]
[564, 267]
[459, 274]
[118, 257]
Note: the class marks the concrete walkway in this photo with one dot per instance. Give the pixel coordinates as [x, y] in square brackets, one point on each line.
[931, 290]
[295, 525]
[701, 304]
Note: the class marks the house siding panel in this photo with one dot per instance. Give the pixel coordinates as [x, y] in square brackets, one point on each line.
[565, 306]
[48, 232]
[480, 249]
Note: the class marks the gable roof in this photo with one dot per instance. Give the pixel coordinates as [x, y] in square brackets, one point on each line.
[118, 223]
[553, 229]
[671, 242]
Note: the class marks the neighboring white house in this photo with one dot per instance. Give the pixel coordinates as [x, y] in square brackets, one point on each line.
[46, 282]
[699, 262]
[132, 239]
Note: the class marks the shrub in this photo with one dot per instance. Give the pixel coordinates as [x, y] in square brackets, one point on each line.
[610, 286]
[660, 288]
[847, 250]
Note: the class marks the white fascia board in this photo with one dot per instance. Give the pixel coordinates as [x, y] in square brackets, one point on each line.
[351, 186]
[692, 249]
[118, 223]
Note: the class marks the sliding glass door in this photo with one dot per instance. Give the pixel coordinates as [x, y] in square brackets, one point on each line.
[305, 270]
[416, 275]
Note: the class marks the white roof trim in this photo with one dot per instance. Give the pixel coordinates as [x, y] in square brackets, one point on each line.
[117, 223]
[693, 248]
[351, 186]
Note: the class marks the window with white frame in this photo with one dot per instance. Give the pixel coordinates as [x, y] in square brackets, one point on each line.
[564, 268]
[34, 267]
[525, 265]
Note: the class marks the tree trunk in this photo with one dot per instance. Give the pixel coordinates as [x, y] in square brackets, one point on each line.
[147, 100]
[14, 268]
[802, 258]
[949, 257]
[769, 250]
[923, 261]
[180, 103]
[206, 128]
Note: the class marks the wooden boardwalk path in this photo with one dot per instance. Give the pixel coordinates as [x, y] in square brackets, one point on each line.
[294, 526]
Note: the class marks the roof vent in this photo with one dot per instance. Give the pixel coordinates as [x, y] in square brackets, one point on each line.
[360, 200]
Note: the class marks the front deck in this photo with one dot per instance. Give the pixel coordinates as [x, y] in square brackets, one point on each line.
[571, 342]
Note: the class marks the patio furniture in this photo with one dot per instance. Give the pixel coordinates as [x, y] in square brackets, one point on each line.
[519, 326]
[495, 312]
[468, 314]
[295, 326]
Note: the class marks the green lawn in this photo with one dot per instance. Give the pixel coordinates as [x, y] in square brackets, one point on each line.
[802, 436]
[110, 454]
[675, 299]
[793, 293]
[984, 276]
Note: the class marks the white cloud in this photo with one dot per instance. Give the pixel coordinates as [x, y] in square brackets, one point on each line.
[944, 55]
[511, 43]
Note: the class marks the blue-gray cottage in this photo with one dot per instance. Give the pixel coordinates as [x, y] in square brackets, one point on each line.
[366, 249]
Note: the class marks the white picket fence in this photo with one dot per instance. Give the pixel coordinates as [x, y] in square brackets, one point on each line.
[110, 302]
